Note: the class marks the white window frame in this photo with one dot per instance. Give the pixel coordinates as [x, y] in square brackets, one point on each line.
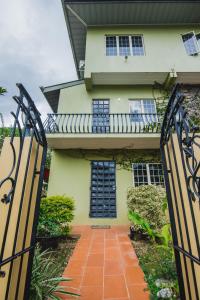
[142, 37]
[148, 172]
[142, 100]
[142, 106]
[196, 42]
[130, 44]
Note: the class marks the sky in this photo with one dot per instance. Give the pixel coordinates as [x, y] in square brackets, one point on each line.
[34, 50]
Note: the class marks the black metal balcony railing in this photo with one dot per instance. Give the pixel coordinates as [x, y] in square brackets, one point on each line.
[103, 123]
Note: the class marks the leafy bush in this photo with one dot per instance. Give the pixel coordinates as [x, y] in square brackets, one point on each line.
[148, 202]
[136, 219]
[56, 212]
[45, 280]
[158, 264]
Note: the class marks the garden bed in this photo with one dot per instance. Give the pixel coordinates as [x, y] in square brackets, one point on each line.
[62, 248]
[158, 266]
[48, 267]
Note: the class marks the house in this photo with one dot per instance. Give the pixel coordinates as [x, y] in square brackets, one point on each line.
[105, 126]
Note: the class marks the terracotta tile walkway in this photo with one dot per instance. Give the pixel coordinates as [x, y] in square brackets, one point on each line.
[104, 266]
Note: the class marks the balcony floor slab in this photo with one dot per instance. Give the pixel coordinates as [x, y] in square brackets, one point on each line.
[104, 141]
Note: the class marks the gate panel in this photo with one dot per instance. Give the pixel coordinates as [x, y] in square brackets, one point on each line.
[22, 165]
[180, 148]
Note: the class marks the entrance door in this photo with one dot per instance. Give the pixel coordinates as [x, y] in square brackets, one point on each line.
[101, 117]
[103, 190]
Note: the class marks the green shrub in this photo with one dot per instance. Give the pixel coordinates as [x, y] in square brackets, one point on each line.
[148, 201]
[56, 212]
[136, 219]
[158, 263]
[45, 280]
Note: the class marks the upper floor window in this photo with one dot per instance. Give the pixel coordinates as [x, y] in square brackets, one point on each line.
[144, 174]
[143, 110]
[191, 43]
[111, 46]
[198, 39]
[124, 45]
[137, 45]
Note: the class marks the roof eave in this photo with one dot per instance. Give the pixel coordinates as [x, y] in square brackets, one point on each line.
[52, 93]
[70, 38]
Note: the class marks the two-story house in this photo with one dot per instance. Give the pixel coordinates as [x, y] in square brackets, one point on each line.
[105, 126]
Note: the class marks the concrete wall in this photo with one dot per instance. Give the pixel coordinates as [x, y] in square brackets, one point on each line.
[77, 99]
[164, 50]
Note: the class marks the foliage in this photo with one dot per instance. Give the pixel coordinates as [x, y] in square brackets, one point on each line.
[138, 220]
[44, 280]
[56, 212]
[147, 201]
[123, 157]
[48, 159]
[2, 90]
[158, 263]
[165, 235]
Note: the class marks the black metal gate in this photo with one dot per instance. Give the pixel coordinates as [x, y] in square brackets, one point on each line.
[180, 148]
[21, 176]
[103, 190]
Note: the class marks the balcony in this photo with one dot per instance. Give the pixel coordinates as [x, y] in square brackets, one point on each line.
[92, 131]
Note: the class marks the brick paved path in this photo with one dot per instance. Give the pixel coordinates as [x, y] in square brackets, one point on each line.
[104, 266]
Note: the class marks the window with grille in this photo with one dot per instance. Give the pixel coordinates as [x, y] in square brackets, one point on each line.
[143, 110]
[144, 174]
[125, 45]
[103, 190]
[190, 41]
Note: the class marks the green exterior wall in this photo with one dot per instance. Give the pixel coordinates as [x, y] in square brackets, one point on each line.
[77, 99]
[164, 51]
[71, 175]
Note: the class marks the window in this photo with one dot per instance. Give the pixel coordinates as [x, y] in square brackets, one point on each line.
[103, 189]
[124, 45]
[140, 174]
[151, 173]
[198, 39]
[101, 117]
[137, 45]
[111, 46]
[190, 41]
[143, 110]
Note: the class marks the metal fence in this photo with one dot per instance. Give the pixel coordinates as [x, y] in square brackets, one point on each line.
[180, 148]
[103, 123]
[22, 165]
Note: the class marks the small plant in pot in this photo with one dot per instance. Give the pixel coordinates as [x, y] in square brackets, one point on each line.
[56, 212]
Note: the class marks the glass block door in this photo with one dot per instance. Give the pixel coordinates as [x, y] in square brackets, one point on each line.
[101, 118]
[103, 190]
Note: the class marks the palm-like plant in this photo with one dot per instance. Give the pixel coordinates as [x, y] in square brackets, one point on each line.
[45, 280]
